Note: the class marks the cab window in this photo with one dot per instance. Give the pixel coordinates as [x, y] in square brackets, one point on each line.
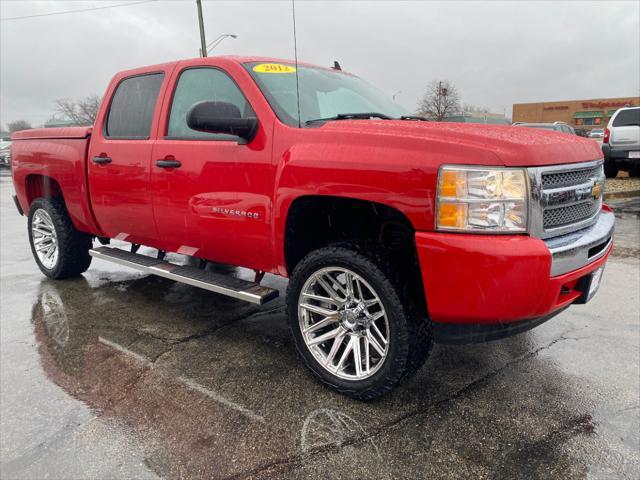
[132, 106]
[203, 84]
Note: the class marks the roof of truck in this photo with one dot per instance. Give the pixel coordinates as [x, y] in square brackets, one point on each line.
[239, 59]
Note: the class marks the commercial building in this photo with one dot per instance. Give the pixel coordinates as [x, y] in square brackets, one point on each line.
[594, 113]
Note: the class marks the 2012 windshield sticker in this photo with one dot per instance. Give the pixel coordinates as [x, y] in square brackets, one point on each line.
[274, 68]
[235, 213]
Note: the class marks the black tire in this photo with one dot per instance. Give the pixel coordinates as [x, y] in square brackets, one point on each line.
[610, 169]
[73, 246]
[410, 336]
[634, 172]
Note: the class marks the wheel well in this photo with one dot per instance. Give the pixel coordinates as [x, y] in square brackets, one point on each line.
[316, 221]
[41, 186]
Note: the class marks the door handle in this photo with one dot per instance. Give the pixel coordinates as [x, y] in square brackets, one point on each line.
[168, 163]
[101, 160]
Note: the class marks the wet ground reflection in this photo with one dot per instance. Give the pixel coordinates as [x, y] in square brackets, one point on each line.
[210, 387]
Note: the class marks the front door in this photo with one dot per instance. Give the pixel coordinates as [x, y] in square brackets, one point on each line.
[211, 194]
[119, 161]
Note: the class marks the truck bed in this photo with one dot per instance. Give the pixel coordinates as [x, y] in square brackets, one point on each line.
[61, 132]
[54, 161]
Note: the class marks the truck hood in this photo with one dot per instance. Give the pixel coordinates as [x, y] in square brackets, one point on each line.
[513, 146]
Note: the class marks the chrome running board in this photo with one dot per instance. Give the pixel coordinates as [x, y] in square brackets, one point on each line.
[215, 282]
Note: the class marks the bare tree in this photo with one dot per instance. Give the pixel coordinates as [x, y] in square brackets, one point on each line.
[80, 112]
[18, 125]
[440, 100]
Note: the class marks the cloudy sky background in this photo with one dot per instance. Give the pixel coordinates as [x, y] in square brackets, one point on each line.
[496, 53]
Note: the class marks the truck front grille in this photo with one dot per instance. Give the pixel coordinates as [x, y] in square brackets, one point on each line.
[573, 177]
[565, 198]
[559, 217]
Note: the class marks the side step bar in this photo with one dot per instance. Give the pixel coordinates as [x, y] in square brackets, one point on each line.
[215, 282]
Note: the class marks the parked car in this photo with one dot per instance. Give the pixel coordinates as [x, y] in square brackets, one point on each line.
[596, 133]
[555, 126]
[5, 153]
[394, 232]
[581, 132]
[621, 143]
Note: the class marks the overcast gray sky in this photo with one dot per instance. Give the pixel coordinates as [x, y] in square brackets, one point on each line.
[496, 53]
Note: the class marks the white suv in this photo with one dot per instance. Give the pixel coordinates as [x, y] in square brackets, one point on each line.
[621, 143]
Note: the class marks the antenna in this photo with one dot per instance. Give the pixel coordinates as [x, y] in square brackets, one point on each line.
[295, 53]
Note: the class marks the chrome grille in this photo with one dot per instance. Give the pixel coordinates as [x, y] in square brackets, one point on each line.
[559, 217]
[564, 198]
[574, 177]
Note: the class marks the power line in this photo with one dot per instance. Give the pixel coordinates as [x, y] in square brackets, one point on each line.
[76, 11]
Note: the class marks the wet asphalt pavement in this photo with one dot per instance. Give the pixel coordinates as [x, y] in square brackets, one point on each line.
[116, 374]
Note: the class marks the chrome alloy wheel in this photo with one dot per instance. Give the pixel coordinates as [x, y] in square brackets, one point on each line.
[45, 240]
[343, 323]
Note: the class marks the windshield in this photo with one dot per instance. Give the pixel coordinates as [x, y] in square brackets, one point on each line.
[324, 93]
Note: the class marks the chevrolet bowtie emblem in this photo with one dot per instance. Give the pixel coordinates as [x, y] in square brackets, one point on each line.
[596, 190]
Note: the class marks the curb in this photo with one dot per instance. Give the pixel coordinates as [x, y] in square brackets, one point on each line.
[623, 194]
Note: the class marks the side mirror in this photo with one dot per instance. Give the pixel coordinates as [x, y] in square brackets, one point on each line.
[221, 117]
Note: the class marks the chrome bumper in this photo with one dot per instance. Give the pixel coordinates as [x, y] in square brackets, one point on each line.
[575, 250]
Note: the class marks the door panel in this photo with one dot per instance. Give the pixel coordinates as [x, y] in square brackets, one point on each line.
[216, 205]
[120, 190]
[119, 162]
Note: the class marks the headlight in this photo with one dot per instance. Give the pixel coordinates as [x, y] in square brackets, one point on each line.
[482, 200]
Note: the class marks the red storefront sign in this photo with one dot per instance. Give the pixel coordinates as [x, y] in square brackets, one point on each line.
[606, 104]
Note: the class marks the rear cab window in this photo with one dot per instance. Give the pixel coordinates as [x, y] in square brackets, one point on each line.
[627, 118]
[132, 105]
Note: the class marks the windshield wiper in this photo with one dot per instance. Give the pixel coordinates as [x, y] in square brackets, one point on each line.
[351, 116]
[413, 117]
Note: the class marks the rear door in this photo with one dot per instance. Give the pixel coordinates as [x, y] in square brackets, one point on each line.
[119, 160]
[625, 129]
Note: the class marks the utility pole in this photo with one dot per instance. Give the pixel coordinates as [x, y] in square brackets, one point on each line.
[203, 42]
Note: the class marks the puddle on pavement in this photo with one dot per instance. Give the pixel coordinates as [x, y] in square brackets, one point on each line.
[211, 387]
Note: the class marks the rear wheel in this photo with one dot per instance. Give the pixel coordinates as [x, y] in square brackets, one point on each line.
[350, 326]
[634, 172]
[59, 249]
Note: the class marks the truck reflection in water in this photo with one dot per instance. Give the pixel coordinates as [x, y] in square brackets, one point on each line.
[86, 348]
[207, 387]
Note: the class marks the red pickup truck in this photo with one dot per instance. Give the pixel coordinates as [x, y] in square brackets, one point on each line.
[394, 232]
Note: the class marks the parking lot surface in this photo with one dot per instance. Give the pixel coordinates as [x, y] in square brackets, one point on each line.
[116, 374]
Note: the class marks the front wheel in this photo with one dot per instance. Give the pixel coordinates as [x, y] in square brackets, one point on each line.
[59, 249]
[350, 325]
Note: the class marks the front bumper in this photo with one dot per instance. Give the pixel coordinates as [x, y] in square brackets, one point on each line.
[495, 281]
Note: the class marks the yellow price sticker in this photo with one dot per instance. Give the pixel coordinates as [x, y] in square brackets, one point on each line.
[274, 68]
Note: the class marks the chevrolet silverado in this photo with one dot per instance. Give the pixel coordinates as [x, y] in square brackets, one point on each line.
[394, 232]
